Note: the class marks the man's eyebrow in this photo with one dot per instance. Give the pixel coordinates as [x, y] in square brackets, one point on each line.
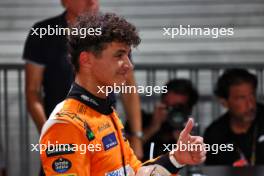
[122, 51]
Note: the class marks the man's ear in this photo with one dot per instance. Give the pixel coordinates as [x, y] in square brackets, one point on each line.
[85, 59]
[223, 102]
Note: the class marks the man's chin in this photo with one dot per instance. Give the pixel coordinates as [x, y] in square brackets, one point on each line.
[120, 82]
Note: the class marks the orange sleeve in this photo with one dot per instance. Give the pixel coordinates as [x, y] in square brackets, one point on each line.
[63, 151]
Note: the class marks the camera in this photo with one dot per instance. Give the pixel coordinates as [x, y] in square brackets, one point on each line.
[177, 116]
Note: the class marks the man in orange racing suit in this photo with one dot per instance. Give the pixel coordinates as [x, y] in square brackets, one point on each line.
[84, 136]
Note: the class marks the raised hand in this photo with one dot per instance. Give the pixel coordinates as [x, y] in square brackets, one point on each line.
[194, 152]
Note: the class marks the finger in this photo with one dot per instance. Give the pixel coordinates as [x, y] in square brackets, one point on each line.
[199, 160]
[199, 153]
[198, 157]
[196, 140]
[188, 128]
[203, 153]
[203, 159]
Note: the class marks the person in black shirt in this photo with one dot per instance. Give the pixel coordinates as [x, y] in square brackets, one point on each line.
[242, 125]
[46, 64]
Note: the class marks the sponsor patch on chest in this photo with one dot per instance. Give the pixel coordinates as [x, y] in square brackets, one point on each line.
[109, 141]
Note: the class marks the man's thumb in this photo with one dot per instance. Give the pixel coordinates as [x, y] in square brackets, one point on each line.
[188, 128]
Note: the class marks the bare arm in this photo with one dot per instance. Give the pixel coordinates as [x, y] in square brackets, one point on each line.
[131, 104]
[34, 77]
[158, 118]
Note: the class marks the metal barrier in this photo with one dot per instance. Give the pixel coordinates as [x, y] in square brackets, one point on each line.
[194, 71]
[13, 73]
[14, 117]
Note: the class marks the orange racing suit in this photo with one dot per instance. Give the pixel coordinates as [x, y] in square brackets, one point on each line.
[85, 137]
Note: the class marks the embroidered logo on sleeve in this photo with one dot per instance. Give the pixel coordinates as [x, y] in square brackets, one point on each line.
[61, 149]
[61, 165]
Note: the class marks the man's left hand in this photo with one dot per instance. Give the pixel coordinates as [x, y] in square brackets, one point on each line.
[193, 156]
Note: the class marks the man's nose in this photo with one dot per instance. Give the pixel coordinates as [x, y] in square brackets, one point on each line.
[251, 103]
[128, 64]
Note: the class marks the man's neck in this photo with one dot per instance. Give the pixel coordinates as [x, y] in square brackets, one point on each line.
[239, 126]
[91, 87]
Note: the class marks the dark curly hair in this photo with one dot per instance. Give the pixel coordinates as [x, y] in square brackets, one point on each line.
[113, 29]
[231, 77]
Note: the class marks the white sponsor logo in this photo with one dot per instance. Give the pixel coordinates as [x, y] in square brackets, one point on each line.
[120, 172]
[88, 99]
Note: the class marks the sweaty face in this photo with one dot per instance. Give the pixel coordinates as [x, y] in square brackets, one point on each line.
[242, 102]
[77, 7]
[112, 65]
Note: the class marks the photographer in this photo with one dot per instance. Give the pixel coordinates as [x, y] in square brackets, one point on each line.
[164, 125]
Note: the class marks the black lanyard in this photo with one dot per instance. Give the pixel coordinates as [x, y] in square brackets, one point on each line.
[254, 147]
[121, 147]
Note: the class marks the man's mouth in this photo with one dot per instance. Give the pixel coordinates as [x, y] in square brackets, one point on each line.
[250, 115]
[123, 72]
